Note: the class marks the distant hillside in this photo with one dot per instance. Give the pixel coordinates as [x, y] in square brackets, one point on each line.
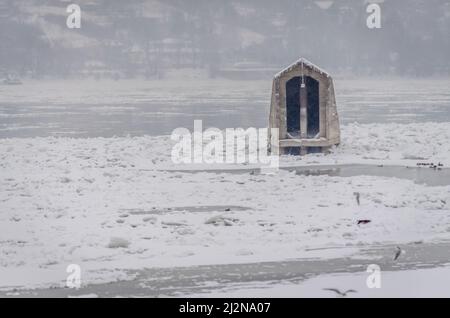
[146, 38]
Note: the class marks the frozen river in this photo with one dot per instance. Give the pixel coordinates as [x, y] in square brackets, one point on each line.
[123, 211]
[413, 275]
[108, 108]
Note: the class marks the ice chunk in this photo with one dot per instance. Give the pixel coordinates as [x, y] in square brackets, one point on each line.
[118, 242]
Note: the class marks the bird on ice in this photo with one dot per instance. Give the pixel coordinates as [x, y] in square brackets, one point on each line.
[340, 293]
[398, 253]
[357, 196]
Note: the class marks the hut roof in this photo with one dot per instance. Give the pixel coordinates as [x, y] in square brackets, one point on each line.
[305, 63]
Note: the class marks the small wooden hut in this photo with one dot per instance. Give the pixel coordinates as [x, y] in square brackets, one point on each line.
[303, 108]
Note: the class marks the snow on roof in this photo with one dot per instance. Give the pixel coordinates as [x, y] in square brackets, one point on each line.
[305, 63]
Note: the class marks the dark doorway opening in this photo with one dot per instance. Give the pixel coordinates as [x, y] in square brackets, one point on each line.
[293, 106]
[312, 88]
[293, 151]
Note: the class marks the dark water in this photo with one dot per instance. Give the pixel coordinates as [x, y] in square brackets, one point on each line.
[426, 176]
[105, 109]
[420, 175]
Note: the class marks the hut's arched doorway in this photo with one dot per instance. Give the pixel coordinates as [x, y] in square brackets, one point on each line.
[293, 104]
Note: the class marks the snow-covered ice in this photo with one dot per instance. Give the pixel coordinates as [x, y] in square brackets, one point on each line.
[112, 204]
[97, 202]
